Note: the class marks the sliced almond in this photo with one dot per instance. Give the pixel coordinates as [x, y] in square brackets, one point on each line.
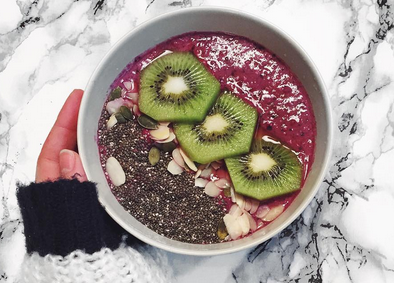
[252, 222]
[243, 221]
[255, 205]
[176, 155]
[222, 183]
[232, 192]
[189, 163]
[262, 211]
[198, 173]
[200, 182]
[169, 139]
[216, 165]
[274, 213]
[128, 85]
[235, 210]
[114, 105]
[212, 190]
[161, 133]
[206, 173]
[111, 121]
[240, 200]
[133, 96]
[174, 168]
[248, 204]
[232, 226]
[115, 171]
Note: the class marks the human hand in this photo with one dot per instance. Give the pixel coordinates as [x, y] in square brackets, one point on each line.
[58, 157]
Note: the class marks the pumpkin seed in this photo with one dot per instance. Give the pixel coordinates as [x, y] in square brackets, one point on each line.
[115, 93]
[168, 146]
[222, 231]
[154, 156]
[227, 192]
[147, 122]
[126, 112]
[119, 117]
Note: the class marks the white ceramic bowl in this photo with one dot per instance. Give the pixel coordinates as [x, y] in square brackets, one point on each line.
[160, 29]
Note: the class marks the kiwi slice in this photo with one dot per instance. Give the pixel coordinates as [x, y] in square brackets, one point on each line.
[226, 131]
[269, 170]
[177, 88]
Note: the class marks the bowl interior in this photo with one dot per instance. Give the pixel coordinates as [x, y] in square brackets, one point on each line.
[160, 29]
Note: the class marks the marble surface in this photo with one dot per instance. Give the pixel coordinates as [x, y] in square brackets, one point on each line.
[346, 234]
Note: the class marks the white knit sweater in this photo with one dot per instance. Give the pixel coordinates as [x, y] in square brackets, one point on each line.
[124, 264]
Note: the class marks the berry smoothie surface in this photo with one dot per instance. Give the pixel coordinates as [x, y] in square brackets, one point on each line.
[171, 205]
[254, 74]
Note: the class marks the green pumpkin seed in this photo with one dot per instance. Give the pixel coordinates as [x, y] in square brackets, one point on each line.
[147, 122]
[222, 231]
[119, 117]
[115, 93]
[166, 147]
[227, 192]
[154, 156]
[126, 112]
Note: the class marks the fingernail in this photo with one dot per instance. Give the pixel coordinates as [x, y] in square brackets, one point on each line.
[66, 161]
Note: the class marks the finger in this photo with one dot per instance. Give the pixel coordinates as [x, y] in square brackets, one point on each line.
[62, 136]
[71, 166]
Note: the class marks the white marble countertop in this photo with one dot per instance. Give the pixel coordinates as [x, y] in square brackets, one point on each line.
[346, 234]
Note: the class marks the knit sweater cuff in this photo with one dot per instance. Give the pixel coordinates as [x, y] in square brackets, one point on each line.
[64, 216]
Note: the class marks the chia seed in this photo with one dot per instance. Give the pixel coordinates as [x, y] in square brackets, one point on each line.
[168, 204]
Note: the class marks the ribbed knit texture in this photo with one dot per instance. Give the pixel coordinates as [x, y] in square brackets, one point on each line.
[124, 264]
[63, 216]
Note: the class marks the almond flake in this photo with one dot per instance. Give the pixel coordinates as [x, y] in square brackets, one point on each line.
[174, 168]
[161, 133]
[114, 105]
[111, 121]
[133, 96]
[262, 211]
[200, 182]
[273, 213]
[169, 139]
[176, 155]
[189, 163]
[243, 221]
[232, 226]
[255, 205]
[235, 210]
[115, 171]
[211, 189]
[222, 183]
[128, 85]
[206, 173]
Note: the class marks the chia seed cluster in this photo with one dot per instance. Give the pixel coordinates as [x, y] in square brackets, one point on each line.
[168, 204]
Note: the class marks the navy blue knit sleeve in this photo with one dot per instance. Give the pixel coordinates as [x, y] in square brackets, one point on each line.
[63, 216]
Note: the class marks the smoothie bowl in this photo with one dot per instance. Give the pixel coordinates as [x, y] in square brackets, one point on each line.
[207, 131]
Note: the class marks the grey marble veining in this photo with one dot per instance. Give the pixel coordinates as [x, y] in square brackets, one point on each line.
[47, 48]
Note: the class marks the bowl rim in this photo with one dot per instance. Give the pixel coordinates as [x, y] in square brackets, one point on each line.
[328, 147]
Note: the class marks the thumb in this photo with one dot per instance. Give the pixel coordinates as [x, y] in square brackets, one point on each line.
[71, 166]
